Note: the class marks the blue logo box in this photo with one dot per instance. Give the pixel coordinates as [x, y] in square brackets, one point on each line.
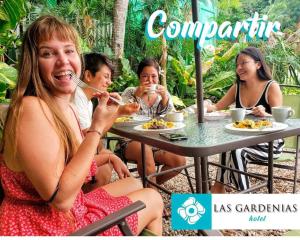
[191, 211]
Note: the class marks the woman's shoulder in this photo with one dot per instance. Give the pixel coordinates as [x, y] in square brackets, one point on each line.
[273, 89]
[34, 105]
[32, 102]
[273, 85]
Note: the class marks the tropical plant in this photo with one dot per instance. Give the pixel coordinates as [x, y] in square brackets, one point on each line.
[139, 46]
[128, 78]
[281, 54]
[8, 78]
[11, 11]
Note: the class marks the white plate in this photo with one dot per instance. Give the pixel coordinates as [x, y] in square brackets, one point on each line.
[216, 115]
[136, 119]
[276, 127]
[177, 125]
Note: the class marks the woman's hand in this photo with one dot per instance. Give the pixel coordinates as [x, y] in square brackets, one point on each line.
[104, 113]
[161, 90]
[128, 109]
[259, 111]
[119, 167]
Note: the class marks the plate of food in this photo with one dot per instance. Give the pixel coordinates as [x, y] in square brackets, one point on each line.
[159, 125]
[260, 126]
[131, 120]
[216, 115]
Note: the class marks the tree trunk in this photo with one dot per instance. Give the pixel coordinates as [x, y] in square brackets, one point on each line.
[163, 61]
[120, 15]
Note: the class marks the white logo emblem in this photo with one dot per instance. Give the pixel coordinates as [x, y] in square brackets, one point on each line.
[191, 210]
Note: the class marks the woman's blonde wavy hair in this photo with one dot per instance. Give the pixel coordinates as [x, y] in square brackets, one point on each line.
[30, 83]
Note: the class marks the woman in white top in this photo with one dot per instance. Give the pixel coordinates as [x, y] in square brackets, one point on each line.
[98, 71]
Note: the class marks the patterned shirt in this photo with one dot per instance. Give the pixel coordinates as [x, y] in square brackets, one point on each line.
[155, 110]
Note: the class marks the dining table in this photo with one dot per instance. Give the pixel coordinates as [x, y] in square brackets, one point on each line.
[207, 139]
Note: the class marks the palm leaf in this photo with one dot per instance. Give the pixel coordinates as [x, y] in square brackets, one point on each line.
[14, 10]
[222, 79]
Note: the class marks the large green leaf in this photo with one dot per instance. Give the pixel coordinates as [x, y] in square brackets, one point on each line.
[3, 15]
[51, 3]
[14, 10]
[8, 75]
[222, 79]
[3, 86]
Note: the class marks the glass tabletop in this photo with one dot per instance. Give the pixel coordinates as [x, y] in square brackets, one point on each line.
[207, 138]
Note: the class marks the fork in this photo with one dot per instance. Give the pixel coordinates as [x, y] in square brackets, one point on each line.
[82, 84]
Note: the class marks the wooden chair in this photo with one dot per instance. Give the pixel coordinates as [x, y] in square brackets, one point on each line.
[116, 218]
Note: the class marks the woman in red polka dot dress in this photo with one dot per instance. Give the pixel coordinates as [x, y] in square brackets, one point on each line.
[45, 160]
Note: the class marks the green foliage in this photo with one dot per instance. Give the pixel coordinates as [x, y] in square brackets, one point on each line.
[221, 75]
[127, 79]
[51, 3]
[178, 103]
[139, 12]
[281, 55]
[287, 12]
[181, 80]
[230, 10]
[11, 12]
[291, 91]
[8, 78]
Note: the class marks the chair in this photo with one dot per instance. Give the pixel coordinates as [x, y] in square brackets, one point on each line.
[116, 218]
[293, 101]
[293, 168]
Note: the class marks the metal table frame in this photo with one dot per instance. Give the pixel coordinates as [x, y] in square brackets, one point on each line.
[200, 152]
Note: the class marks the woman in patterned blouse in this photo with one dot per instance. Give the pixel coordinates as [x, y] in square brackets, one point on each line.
[152, 103]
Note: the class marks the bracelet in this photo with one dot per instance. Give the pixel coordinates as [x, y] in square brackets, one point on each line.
[96, 131]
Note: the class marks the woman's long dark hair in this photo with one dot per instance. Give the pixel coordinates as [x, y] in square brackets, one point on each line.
[264, 72]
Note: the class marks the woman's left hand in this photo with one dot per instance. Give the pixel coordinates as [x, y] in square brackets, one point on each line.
[119, 167]
[259, 111]
[161, 90]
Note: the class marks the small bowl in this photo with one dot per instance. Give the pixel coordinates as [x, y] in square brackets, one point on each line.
[174, 117]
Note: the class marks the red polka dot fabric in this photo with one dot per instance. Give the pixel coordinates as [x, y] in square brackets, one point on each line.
[24, 213]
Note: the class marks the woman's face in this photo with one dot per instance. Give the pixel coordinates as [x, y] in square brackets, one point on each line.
[149, 76]
[56, 59]
[246, 67]
[102, 78]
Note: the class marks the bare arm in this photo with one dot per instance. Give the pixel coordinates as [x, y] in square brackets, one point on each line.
[274, 95]
[274, 100]
[42, 156]
[225, 101]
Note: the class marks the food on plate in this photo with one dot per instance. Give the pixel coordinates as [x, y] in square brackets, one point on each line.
[124, 119]
[252, 124]
[158, 124]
